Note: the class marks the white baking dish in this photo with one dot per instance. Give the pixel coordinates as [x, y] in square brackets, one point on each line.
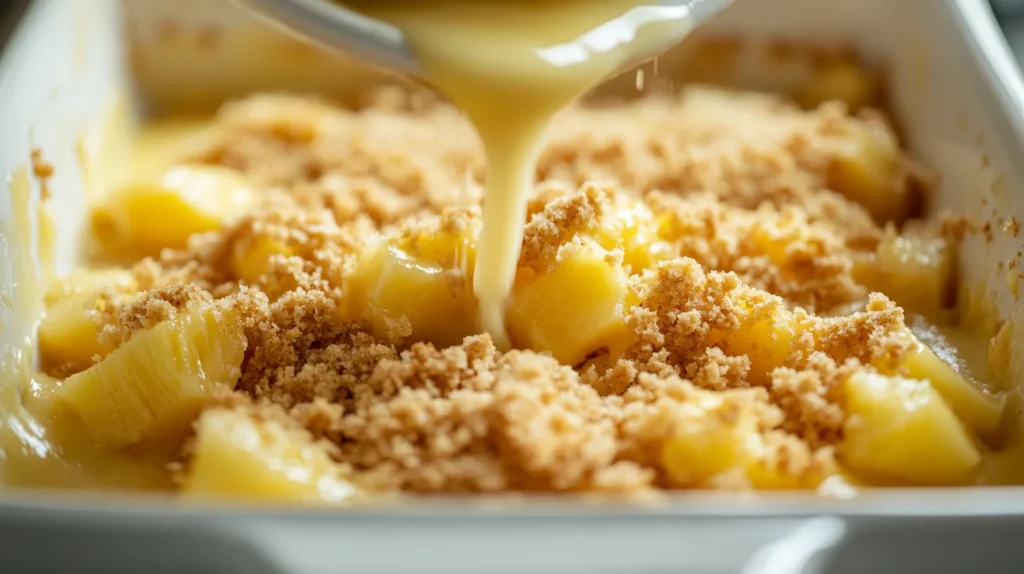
[960, 97]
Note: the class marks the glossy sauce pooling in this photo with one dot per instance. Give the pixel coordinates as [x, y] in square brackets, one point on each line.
[511, 66]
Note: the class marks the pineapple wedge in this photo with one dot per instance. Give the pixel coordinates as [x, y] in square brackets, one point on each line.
[143, 218]
[573, 310]
[764, 477]
[901, 429]
[915, 271]
[866, 169]
[767, 342]
[153, 386]
[718, 435]
[978, 409]
[91, 281]
[237, 456]
[251, 259]
[765, 337]
[632, 227]
[428, 297]
[68, 335]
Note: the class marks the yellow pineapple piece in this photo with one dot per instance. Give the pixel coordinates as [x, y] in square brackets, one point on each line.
[633, 228]
[143, 218]
[85, 281]
[902, 429]
[866, 169]
[237, 456]
[156, 383]
[773, 241]
[427, 298]
[777, 238]
[68, 334]
[843, 81]
[764, 477]
[978, 409]
[767, 342]
[251, 259]
[914, 270]
[773, 475]
[573, 310]
[766, 338]
[717, 436]
[449, 248]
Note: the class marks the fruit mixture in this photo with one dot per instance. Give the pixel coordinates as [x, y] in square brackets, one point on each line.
[717, 290]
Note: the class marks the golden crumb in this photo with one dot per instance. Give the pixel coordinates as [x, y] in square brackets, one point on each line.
[125, 314]
[560, 220]
[739, 261]
[43, 170]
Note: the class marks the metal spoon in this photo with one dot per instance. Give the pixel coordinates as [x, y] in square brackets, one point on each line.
[341, 28]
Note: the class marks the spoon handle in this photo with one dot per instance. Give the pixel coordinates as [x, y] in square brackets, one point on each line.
[339, 28]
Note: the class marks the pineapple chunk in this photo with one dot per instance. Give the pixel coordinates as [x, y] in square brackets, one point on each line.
[68, 335]
[766, 342]
[773, 241]
[632, 227]
[979, 410]
[154, 385]
[717, 436]
[866, 169]
[766, 338]
[901, 429]
[915, 271]
[426, 299]
[91, 281]
[765, 477]
[843, 81]
[251, 259]
[573, 310]
[237, 456]
[143, 218]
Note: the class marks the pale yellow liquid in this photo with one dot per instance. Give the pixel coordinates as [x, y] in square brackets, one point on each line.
[511, 66]
[40, 447]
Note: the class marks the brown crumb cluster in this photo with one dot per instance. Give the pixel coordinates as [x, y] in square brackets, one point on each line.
[739, 190]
